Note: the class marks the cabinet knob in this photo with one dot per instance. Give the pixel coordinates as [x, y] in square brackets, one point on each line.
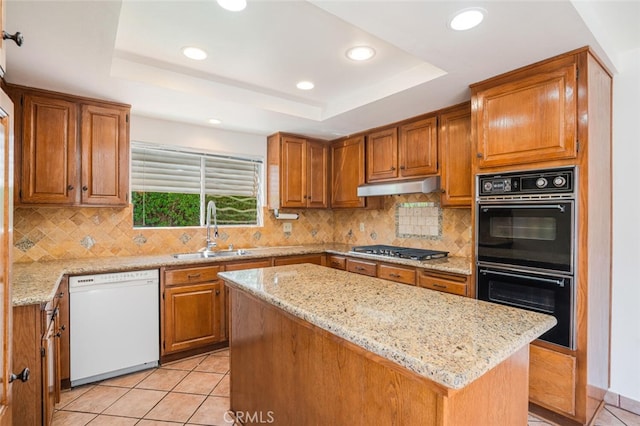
[479, 155]
[217, 292]
[401, 167]
[392, 168]
[85, 188]
[23, 375]
[70, 188]
[17, 37]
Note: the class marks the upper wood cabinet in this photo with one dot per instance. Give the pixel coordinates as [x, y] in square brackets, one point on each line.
[408, 151]
[382, 155]
[297, 172]
[527, 116]
[69, 150]
[347, 172]
[418, 144]
[454, 138]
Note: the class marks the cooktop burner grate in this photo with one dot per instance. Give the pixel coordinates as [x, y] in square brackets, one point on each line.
[401, 252]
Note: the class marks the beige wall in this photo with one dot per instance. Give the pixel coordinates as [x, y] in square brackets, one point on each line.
[61, 233]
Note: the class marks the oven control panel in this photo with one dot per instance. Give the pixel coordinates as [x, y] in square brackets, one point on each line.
[529, 182]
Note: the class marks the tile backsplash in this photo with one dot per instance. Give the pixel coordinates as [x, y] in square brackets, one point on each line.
[47, 233]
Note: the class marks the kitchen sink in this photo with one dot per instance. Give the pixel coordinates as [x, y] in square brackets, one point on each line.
[211, 254]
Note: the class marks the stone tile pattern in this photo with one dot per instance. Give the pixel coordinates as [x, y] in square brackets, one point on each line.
[190, 391]
[42, 234]
[448, 339]
[418, 220]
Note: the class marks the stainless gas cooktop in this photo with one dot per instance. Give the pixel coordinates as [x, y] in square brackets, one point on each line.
[401, 252]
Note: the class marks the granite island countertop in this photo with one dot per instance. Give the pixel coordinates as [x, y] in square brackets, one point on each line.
[449, 339]
[36, 282]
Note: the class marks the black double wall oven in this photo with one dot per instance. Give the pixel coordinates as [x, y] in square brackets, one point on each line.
[525, 244]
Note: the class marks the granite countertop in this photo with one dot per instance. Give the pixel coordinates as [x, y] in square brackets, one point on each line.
[451, 340]
[35, 283]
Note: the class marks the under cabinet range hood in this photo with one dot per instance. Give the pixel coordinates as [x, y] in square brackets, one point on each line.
[425, 186]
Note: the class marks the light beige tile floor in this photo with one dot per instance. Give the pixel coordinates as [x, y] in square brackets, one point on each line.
[194, 391]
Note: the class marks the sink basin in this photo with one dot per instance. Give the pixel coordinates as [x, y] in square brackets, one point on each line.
[211, 254]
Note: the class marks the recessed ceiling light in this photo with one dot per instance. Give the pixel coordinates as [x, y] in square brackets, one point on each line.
[467, 19]
[194, 53]
[214, 121]
[305, 85]
[233, 5]
[361, 53]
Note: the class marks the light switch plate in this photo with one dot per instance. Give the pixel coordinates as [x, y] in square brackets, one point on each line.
[287, 227]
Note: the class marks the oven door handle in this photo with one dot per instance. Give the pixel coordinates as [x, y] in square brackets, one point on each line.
[559, 283]
[530, 206]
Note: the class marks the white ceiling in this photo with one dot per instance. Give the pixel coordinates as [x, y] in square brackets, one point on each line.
[130, 51]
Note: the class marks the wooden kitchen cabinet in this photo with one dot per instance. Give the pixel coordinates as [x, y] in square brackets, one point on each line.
[443, 281]
[70, 150]
[404, 152]
[454, 138]
[552, 379]
[337, 262]
[297, 172]
[362, 267]
[382, 155]
[316, 259]
[347, 172]
[37, 336]
[418, 148]
[193, 314]
[527, 116]
[399, 274]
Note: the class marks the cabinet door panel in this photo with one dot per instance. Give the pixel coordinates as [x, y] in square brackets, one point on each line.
[317, 182]
[528, 120]
[49, 146]
[193, 316]
[552, 379]
[293, 189]
[382, 155]
[419, 148]
[105, 155]
[347, 158]
[455, 153]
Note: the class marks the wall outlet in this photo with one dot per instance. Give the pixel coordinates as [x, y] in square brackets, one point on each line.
[287, 227]
[361, 226]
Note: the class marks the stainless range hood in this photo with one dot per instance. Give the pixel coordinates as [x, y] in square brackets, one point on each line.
[425, 186]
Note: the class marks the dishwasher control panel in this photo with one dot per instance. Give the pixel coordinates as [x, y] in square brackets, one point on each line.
[115, 277]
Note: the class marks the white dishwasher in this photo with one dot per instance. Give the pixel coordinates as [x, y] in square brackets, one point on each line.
[114, 324]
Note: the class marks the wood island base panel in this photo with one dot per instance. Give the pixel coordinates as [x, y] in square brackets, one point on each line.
[293, 360]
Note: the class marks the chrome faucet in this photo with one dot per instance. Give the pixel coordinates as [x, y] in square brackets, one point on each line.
[211, 207]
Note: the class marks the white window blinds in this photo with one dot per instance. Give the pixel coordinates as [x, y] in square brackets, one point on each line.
[155, 170]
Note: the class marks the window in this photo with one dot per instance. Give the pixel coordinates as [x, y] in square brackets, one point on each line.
[171, 188]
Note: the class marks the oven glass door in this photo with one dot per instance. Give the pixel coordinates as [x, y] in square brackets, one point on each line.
[551, 295]
[531, 234]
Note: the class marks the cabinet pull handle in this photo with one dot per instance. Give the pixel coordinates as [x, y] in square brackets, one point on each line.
[191, 276]
[394, 275]
[61, 295]
[359, 268]
[70, 187]
[85, 188]
[439, 285]
[23, 375]
[401, 167]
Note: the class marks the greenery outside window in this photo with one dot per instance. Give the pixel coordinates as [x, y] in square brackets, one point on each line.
[171, 187]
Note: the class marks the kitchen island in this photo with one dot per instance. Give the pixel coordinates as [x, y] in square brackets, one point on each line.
[313, 345]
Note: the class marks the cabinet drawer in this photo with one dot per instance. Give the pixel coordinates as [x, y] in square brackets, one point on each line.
[191, 275]
[337, 262]
[361, 267]
[397, 274]
[316, 259]
[454, 284]
[263, 263]
[552, 379]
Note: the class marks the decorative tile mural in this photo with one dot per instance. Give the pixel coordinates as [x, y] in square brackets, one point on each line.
[418, 220]
[48, 233]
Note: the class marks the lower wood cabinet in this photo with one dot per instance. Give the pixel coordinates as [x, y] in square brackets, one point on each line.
[193, 313]
[552, 379]
[316, 259]
[399, 274]
[37, 335]
[362, 267]
[337, 262]
[443, 281]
